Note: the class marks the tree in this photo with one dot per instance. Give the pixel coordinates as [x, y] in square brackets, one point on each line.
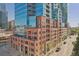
[76, 47]
[78, 34]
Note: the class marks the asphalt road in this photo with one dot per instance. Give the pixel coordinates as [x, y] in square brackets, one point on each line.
[66, 49]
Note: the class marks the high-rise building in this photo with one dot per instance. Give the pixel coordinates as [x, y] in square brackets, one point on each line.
[64, 9]
[27, 14]
[3, 17]
[59, 12]
[37, 28]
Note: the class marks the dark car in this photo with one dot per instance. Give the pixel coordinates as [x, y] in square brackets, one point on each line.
[58, 49]
[64, 43]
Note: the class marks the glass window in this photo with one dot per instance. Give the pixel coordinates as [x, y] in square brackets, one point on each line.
[39, 9]
[22, 11]
[32, 21]
[20, 30]
[21, 19]
[18, 5]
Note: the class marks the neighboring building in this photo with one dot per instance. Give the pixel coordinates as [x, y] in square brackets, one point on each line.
[3, 16]
[11, 25]
[5, 35]
[37, 28]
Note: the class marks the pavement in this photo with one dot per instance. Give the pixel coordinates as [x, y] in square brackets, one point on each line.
[66, 49]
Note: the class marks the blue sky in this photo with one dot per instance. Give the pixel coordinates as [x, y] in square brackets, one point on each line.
[73, 13]
[10, 9]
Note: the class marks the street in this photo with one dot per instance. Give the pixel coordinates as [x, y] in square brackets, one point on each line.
[66, 49]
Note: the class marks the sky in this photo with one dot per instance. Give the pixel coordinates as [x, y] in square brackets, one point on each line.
[73, 13]
[10, 10]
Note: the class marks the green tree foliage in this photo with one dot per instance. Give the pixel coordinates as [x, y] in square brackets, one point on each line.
[76, 47]
[78, 34]
[74, 31]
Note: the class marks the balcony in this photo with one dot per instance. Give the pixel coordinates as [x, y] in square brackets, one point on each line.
[48, 21]
[30, 37]
[29, 32]
[47, 15]
[47, 39]
[47, 10]
[47, 26]
[47, 6]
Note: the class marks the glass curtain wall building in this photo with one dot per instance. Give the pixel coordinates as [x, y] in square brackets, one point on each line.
[64, 14]
[3, 17]
[26, 14]
[59, 12]
[38, 26]
[29, 11]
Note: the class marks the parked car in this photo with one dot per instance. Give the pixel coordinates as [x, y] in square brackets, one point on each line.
[58, 49]
[64, 42]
